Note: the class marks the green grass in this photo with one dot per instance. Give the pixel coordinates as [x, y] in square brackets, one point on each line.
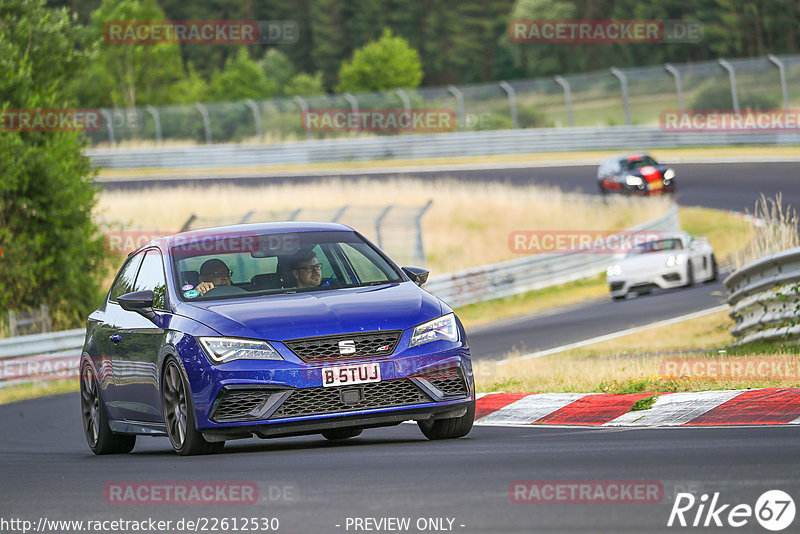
[38, 389]
[644, 404]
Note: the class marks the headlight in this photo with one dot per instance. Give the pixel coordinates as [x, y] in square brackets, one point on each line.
[443, 327]
[614, 270]
[669, 174]
[226, 349]
[675, 260]
[633, 180]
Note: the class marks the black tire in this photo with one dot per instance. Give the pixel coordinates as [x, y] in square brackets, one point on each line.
[689, 274]
[337, 434]
[618, 297]
[451, 428]
[176, 405]
[714, 269]
[95, 419]
[603, 190]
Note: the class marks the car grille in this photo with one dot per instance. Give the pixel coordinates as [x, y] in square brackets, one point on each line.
[326, 348]
[451, 387]
[321, 400]
[239, 404]
[616, 286]
[672, 277]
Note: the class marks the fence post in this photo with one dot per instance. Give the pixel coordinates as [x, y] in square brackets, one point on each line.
[677, 75]
[419, 252]
[406, 105]
[109, 125]
[623, 82]
[157, 120]
[295, 214]
[256, 117]
[304, 108]
[340, 213]
[456, 92]
[782, 72]
[378, 223]
[560, 80]
[206, 123]
[512, 102]
[732, 76]
[354, 108]
[188, 224]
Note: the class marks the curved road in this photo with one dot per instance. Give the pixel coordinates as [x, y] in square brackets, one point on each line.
[312, 485]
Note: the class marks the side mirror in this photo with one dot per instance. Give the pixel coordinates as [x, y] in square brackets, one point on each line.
[418, 275]
[140, 302]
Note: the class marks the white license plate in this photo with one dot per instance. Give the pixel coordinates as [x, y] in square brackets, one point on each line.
[344, 375]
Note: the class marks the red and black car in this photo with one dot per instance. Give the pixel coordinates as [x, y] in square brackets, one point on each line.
[635, 174]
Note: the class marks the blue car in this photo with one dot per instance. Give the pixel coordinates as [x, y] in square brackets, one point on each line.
[270, 330]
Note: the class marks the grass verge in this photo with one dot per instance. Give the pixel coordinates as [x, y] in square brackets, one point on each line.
[37, 389]
[676, 358]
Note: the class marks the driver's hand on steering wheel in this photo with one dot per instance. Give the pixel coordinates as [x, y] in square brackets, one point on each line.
[204, 287]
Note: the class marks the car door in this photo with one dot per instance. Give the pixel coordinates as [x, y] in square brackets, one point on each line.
[136, 362]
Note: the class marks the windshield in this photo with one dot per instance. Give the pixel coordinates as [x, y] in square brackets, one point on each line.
[637, 163]
[656, 246]
[237, 266]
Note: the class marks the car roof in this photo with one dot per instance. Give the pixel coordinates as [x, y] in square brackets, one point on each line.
[624, 157]
[244, 229]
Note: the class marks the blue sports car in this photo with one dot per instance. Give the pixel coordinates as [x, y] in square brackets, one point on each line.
[270, 330]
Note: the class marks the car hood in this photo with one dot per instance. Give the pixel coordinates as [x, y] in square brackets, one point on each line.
[318, 313]
[650, 173]
[648, 261]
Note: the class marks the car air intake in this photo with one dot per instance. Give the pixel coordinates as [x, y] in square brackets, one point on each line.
[345, 346]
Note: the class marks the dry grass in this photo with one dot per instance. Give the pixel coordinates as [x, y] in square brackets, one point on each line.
[776, 230]
[726, 232]
[620, 361]
[467, 225]
[37, 389]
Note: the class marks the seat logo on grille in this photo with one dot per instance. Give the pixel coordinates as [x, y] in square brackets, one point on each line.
[347, 346]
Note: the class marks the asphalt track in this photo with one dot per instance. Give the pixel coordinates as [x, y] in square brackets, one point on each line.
[312, 485]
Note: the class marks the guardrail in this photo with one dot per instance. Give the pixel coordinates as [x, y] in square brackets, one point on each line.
[764, 298]
[513, 277]
[40, 356]
[422, 146]
[56, 354]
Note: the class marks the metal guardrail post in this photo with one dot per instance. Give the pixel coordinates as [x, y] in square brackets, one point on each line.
[206, 122]
[295, 214]
[188, 224]
[623, 82]
[512, 102]
[406, 105]
[677, 75]
[247, 216]
[379, 222]
[109, 125]
[157, 120]
[782, 72]
[732, 76]
[353, 101]
[304, 109]
[256, 117]
[462, 116]
[560, 80]
[419, 250]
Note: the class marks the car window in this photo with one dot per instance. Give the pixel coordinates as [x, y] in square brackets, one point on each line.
[126, 277]
[365, 269]
[151, 276]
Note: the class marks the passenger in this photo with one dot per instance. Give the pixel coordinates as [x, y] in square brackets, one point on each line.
[213, 273]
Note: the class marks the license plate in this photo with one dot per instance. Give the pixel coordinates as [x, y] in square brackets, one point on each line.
[343, 375]
[658, 184]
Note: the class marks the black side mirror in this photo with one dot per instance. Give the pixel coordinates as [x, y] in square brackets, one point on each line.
[139, 301]
[418, 275]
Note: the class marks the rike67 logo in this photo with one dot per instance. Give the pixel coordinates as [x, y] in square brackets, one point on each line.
[774, 510]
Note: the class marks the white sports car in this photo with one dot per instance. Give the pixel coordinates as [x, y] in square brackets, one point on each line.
[675, 259]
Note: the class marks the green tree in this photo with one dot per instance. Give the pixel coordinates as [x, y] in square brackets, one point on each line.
[388, 63]
[240, 79]
[52, 252]
[126, 75]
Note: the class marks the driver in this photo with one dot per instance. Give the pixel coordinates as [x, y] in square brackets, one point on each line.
[213, 273]
[307, 269]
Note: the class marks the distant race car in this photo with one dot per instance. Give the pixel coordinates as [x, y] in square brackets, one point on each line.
[675, 259]
[635, 174]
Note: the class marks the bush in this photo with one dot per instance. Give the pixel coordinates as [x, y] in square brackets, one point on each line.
[714, 95]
